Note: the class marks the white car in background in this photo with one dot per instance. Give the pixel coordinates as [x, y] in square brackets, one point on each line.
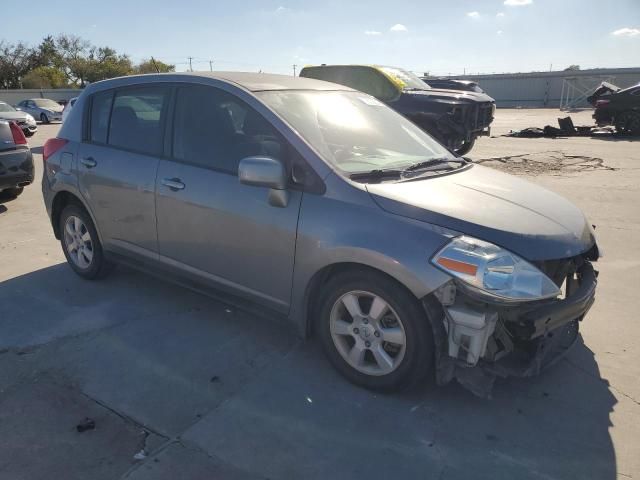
[67, 108]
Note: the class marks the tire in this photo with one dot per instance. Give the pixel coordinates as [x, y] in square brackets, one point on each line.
[465, 147]
[44, 118]
[628, 123]
[88, 260]
[402, 320]
[28, 133]
[11, 193]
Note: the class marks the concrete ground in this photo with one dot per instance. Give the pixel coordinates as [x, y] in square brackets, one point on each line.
[199, 389]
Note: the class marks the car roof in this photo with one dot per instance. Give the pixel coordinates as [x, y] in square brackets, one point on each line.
[254, 82]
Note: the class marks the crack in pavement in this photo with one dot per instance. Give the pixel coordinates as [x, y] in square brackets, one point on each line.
[547, 162]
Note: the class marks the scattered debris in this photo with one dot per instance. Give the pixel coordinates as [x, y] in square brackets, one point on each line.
[214, 379]
[565, 128]
[86, 424]
[550, 162]
[141, 455]
[309, 400]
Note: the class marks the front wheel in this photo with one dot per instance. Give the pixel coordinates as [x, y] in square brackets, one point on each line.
[28, 133]
[44, 118]
[81, 245]
[464, 147]
[374, 332]
[628, 123]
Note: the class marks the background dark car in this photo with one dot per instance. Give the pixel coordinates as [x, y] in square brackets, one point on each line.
[455, 118]
[16, 162]
[451, 84]
[618, 107]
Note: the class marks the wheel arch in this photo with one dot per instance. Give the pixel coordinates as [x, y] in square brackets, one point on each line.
[314, 289]
[59, 202]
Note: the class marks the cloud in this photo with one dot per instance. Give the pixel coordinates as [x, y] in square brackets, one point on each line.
[499, 32]
[626, 32]
[282, 9]
[398, 27]
[372, 32]
[500, 14]
[517, 3]
[473, 14]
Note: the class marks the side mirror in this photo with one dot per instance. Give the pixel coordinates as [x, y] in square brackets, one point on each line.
[266, 172]
[18, 108]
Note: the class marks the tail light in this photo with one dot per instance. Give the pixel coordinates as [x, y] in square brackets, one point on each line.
[51, 146]
[18, 134]
[602, 103]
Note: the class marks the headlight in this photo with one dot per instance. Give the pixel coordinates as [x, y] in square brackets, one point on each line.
[494, 271]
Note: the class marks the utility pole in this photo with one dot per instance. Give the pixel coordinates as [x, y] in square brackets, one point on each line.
[211, 65]
[155, 65]
[294, 69]
[190, 67]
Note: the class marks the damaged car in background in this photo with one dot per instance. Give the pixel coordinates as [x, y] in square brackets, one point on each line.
[454, 117]
[618, 107]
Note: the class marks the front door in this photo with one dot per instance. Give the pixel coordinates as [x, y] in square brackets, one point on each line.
[209, 224]
[118, 163]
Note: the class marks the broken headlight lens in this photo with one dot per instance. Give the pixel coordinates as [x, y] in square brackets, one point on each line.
[494, 271]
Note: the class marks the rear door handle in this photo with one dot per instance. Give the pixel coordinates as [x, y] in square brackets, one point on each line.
[89, 162]
[174, 184]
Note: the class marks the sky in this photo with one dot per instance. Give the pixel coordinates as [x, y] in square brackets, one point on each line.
[440, 37]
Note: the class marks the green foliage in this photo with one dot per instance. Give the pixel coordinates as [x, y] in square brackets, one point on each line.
[153, 66]
[66, 61]
[44, 77]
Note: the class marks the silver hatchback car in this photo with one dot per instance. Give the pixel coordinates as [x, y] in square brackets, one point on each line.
[328, 208]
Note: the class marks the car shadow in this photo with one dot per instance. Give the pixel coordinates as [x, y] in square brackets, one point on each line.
[131, 338]
[616, 138]
[2, 207]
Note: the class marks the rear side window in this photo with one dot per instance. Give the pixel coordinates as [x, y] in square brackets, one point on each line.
[100, 109]
[216, 130]
[137, 119]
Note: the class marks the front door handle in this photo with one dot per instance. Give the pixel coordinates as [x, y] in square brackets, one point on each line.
[89, 162]
[174, 184]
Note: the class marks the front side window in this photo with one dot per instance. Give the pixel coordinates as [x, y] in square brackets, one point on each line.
[215, 129]
[353, 131]
[100, 109]
[137, 119]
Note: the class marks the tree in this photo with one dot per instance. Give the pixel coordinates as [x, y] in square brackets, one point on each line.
[153, 66]
[44, 77]
[572, 68]
[16, 60]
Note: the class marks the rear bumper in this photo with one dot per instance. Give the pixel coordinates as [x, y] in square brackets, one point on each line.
[16, 168]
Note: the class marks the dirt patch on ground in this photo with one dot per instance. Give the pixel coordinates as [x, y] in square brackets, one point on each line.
[547, 163]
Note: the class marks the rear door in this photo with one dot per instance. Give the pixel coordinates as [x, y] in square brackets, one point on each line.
[209, 225]
[118, 163]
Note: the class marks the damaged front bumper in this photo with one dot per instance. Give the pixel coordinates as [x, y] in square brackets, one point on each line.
[477, 341]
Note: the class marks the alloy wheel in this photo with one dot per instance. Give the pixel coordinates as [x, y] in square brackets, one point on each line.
[78, 242]
[367, 332]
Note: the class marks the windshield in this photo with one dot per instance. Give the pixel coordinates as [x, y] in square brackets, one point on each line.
[407, 80]
[4, 107]
[354, 131]
[45, 103]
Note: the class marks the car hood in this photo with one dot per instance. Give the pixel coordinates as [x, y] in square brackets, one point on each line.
[459, 95]
[57, 109]
[13, 115]
[524, 218]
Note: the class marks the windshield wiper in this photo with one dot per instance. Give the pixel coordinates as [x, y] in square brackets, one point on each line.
[432, 162]
[376, 175]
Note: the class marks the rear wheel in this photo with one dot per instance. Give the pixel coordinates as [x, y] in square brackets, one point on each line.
[374, 332]
[11, 193]
[629, 123]
[81, 245]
